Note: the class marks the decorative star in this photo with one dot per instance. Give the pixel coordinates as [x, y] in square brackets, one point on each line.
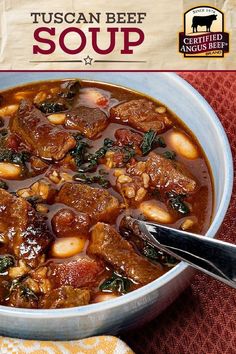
[88, 60]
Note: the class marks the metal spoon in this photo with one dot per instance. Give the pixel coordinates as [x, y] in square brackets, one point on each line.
[211, 256]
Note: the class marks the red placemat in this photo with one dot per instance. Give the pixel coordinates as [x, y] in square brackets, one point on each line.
[203, 319]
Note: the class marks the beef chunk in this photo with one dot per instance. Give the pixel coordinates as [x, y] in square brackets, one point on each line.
[13, 142]
[88, 121]
[67, 222]
[133, 190]
[128, 137]
[44, 139]
[167, 175]
[38, 165]
[65, 296]
[97, 202]
[23, 231]
[141, 114]
[156, 172]
[77, 273]
[107, 243]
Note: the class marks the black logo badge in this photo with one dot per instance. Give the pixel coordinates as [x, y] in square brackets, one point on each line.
[203, 34]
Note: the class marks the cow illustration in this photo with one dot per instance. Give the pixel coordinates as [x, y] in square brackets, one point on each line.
[203, 21]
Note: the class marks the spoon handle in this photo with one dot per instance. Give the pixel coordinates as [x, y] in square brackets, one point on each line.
[211, 256]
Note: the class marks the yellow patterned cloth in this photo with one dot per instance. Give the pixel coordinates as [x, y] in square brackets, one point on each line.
[93, 345]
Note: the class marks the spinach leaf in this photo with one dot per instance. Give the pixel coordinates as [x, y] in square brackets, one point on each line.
[151, 252]
[177, 203]
[15, 283]
[51, 107]
[58, 104]
[116, 283]
[150, 140]
[169, 261]
[99, 179]
[27, 293]
[5, 263]
[93, 159]
[3, 137]
[170, 155]
[157, 255]
[160, 141]
[79, 151]
[19, 158]
[3, 133]
[108, 143]
[34, 200]
[147, 142]
[128, 153]
[87, 162]
[48, 107]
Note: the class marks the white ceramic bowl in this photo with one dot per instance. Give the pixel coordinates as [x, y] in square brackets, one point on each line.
[143, 304]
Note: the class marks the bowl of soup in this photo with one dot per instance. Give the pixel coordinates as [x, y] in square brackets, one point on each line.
[78, 156]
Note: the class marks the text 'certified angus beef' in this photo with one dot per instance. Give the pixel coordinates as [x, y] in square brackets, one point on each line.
[77, 158]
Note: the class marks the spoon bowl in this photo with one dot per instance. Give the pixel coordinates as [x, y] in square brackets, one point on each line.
[213, 257]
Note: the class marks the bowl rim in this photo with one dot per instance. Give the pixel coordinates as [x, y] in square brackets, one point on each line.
[177, 270]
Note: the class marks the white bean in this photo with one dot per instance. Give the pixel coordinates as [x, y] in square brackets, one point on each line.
[8, 110]
[40, 97]
[41, 208]
[141, 192]
[66, 177]
[182, 145]
[109, 158]
[130, 192]
[67, 247]
[152, 210]
[21, 95]
[9, 170]
[55, 177]
[187, 224]
[105, 297]
[93, 97]
[57, 118]
[161, 110]
[41, 188]
[24, 193]
[146, 180]
[118, 172]
[124, 179]
[54, 90]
